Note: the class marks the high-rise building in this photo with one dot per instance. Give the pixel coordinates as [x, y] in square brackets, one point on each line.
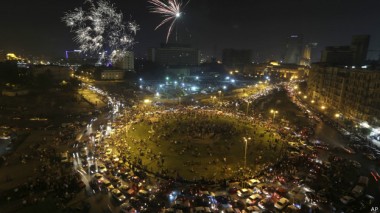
[294, 49]
[235, 57]
[337, 55]
[306, 56]
[359, 47]
[127, 62]
[355, 54]
[175, 54]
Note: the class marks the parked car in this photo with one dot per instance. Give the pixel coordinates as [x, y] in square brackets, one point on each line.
[107, 185]
[281, 204]
[244, 192]
[347, 199]
[117, 195]
[357, 191]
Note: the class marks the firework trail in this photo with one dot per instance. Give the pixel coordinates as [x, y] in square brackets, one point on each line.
[170, 12]
[100, 30]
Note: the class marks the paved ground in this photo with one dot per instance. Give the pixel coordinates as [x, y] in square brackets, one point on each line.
[16, 172]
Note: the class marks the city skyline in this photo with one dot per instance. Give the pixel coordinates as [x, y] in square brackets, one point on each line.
[37, 28]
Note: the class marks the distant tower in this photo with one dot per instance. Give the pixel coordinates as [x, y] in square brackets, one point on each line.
[294, 48]
[306, 55]
[359, 46]
[126, 62]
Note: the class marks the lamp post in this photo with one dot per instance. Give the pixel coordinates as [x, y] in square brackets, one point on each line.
[147, 103]
[274, 112]
[245, 151]
[213, 99]
[248, 102]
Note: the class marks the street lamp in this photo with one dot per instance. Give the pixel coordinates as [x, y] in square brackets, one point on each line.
[179, 100]
[274, 112]
[248, 102]
[213, 99]
[245, 151]
[147, 101]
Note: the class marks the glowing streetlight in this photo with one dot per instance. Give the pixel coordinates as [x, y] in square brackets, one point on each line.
[274, 112]
[213, 98]
[323, 107]
[337, 115]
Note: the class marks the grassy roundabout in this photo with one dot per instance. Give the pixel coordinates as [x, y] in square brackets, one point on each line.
[199, 145]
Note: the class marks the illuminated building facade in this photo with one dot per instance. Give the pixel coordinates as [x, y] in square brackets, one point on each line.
[306, 54]
[353, 92]
[112, 75]
[284, 71]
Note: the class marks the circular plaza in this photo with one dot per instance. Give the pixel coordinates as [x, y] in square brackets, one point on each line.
[199, 144]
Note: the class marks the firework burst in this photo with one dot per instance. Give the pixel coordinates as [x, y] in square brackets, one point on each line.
[170, 12]
[100, 30]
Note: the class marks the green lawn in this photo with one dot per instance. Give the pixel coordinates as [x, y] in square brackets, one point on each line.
[188, 152]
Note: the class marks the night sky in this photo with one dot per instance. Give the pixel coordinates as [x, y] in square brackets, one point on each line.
[35, 27]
